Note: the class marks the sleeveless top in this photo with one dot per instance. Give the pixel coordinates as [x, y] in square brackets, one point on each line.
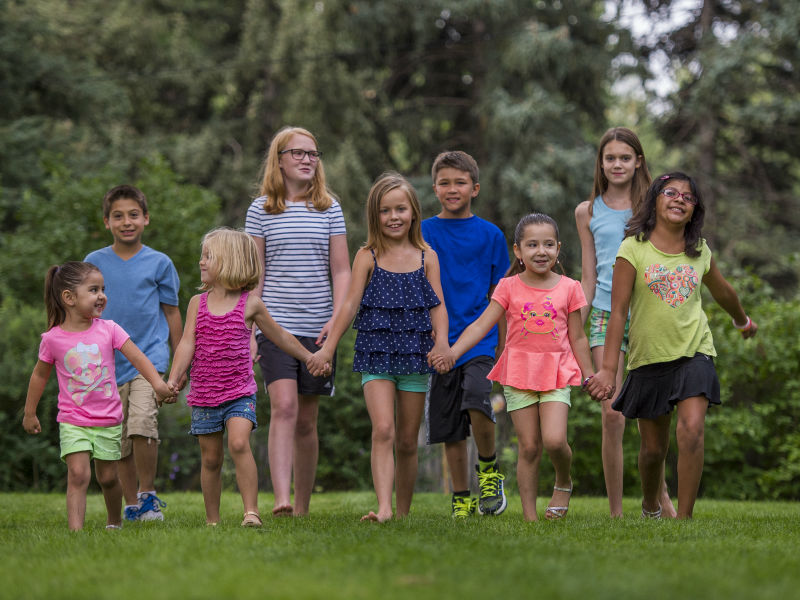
[221, 368]
[608, 230]
[394, 323]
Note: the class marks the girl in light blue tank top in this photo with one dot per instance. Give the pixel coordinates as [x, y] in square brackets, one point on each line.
[621, 179]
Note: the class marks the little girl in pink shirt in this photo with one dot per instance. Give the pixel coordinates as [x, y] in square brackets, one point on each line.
[546, 352]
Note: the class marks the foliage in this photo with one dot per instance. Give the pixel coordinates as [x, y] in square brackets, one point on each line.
[731, 550]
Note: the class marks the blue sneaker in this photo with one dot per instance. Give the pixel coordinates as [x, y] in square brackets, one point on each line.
[150, 507]
[131, 513]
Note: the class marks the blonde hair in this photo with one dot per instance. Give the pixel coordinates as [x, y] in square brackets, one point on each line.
[272, 187]
[383, 185]
[236, 258]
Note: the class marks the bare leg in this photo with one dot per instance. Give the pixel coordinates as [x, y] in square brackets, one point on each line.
[613, 428]
[145, 456]
[379, 396]
[211, 457]
[306, 452]
[652, 451]
[483, 433]
[527, 428]
[106, 473]
[79, 474]
[239, 430]
[128, 480]
[410, 407]
[553, 419]
[284, 406]
[690, 435]
[456, 453]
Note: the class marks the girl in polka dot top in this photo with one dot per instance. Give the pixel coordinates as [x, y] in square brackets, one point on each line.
[401, 318]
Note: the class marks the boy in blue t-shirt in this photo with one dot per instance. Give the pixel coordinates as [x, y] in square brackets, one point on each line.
[142, 289]
[473, 257]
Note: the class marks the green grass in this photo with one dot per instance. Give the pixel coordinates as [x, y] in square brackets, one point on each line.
[730, 550]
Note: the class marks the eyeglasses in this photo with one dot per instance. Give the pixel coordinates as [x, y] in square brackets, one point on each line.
[298, 154]
[674, 194]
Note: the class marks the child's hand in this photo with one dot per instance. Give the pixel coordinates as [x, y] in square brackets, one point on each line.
[319, 364]
[164, 393]
[601, 386]
[176, 385]
[750, 330]
[441, 359]
[31, 424]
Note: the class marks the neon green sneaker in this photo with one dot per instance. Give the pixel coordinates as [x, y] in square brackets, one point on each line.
[493, 497]
[463, 506]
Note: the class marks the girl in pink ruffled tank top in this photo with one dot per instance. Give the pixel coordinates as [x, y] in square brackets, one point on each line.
[216, 342]
[546, 352]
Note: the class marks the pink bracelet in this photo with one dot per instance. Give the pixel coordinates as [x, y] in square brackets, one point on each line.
[742, 327]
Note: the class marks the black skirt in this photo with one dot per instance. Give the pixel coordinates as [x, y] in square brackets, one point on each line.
[653, 390]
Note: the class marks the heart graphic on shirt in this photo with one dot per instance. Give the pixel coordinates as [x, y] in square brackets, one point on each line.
[673, 286]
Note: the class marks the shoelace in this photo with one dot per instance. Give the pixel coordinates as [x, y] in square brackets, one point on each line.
[151, 503]
[489, 482]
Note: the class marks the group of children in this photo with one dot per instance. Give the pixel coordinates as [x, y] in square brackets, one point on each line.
[439, 316]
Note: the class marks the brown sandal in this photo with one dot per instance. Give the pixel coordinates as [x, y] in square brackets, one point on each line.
[251, 519]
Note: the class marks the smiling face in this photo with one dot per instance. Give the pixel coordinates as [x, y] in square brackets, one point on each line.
[88, 300]
[675, 211]
[126, 220]
[395, 214]
[208, 267]
[538, 248]
[298, 171]
[620, 162]
[455, 190]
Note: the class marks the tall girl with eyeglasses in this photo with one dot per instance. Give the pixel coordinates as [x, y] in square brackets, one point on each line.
[621, 179]
[657, 274]
[299, 230]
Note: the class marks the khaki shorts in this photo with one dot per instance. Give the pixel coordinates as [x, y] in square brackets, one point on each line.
[140, 410]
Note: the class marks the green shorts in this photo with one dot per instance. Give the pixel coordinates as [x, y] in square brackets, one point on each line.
[516, 398]
[417, 382]
[102, 443]
[598, 324]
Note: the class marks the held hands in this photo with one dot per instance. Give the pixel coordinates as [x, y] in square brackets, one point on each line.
[31, 424]
[441, 359]
[601, 385]
[319, 364]
[166, 392]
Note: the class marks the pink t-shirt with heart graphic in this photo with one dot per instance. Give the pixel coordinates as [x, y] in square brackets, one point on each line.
[667, 318]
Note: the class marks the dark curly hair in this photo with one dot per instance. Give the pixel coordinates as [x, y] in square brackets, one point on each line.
[643, 221]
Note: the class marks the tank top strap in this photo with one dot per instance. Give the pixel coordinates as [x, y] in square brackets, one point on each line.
[242, 303]
[374, 258]
[202, 307]
[423, 258]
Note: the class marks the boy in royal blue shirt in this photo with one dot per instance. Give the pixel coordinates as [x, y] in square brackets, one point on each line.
[141, 285]
[473, 256]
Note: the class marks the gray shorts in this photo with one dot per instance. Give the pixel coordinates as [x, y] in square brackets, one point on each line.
[276, 364]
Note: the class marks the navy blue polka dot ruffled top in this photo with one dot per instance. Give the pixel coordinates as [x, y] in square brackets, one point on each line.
[394, 323]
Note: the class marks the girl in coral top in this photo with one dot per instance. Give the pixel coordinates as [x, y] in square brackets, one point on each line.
[216, 342]
[546, 352]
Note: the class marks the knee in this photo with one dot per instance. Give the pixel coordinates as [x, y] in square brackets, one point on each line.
[690, 434]
[283, 409]
[652, 454]
[613, 421]
[383, 433]
[79, 477]
[211, 462]
[107, 479]
[238, 445]
[555, 445]
[530, 452]
[306, 428]
[406, 447]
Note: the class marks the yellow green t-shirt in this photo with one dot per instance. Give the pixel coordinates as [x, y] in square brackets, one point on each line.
[667, 318]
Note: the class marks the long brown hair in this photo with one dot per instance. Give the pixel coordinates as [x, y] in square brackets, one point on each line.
[641, 177]
[318, 196]
[58, 279]
[383, 185]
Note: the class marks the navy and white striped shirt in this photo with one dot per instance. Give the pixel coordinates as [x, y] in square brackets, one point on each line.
[297, 287]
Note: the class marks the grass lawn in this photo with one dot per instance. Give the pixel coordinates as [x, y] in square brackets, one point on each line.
[730, 550]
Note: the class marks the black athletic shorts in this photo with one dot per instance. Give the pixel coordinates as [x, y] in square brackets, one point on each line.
[276, 364]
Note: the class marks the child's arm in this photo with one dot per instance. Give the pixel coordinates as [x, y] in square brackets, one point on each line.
[602, 385]
[258, 290]
[39, 377]
[502, 330]
[362, 269]
[184, 351]
[173, 316]
[588, 256]
[579, 344]
[439, 321]
[142, 364]
[340, 279]
[728, 299]
[256, 312]
[471, 336]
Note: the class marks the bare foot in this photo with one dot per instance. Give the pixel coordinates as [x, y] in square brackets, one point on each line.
[379, 518]
[667, 508]
[284, 510]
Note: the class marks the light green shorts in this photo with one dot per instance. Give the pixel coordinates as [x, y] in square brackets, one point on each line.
[516, 398]
[418, 382]
[102, 443]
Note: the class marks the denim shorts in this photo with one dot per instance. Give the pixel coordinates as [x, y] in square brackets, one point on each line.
[598, 324]
[417, 382]
[211, 419]
[102, 443]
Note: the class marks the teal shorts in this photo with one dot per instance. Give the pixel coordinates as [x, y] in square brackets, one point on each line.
[417, 382]
[516, 398]
[598, 324]
[102, 443]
